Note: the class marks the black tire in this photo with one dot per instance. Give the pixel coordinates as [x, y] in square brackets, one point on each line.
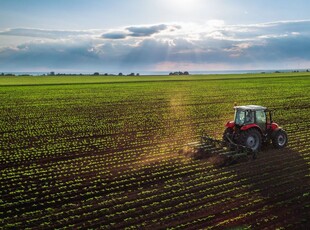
[279, 139]
[252, 139]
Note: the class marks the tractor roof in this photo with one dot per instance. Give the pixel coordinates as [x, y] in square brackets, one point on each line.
[250, 107]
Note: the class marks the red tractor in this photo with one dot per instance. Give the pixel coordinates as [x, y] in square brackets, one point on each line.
[253, 126]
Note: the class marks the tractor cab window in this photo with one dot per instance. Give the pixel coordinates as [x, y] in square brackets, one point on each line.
[249, 117]
[261, 117]
[244, 117]
[239, 117]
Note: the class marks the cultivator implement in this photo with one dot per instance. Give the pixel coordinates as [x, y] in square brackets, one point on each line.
[219, 152]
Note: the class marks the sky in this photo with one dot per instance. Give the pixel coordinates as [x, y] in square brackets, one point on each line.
[111, 36]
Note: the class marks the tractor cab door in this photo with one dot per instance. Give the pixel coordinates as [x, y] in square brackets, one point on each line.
[261, 120]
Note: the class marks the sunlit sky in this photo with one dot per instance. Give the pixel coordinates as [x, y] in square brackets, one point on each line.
[153, 35]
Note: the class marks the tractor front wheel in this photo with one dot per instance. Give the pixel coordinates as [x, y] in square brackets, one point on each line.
[252, 139]
[279, 139]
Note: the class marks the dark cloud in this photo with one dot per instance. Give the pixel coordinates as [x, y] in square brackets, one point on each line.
[281, 48]
[140, 31]
[146, 31]
[114, 35]
[148, 51]
[48, 55]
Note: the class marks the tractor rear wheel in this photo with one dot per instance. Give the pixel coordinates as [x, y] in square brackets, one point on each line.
[279, 139]
[252, 139]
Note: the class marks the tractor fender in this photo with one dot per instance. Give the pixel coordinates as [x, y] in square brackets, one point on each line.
[252, 126]
[274, 126]
[275, 131]
[230, 124]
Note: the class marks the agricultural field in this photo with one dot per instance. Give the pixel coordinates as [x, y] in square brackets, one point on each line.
[104, 152]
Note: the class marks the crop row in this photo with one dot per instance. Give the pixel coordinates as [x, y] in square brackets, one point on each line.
[204, 183]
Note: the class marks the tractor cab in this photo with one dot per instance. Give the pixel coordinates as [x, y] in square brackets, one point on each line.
[252, 114]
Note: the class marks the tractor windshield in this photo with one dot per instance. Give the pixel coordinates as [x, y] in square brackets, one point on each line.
[243, 117]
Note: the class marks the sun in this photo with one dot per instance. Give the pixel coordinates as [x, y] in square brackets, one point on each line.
[183, 5]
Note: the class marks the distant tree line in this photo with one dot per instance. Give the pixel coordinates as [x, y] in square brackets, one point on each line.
[71, 74]
[120, 74]
[131, 74]
[179, 73]
[7, 74]
[52, 73]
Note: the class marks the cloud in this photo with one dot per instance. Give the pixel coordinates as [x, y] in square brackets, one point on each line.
[264, 30]
[114, 35]
[266, 45]
[40, 33]
[48, 55]
[146, 31]
[140, 31]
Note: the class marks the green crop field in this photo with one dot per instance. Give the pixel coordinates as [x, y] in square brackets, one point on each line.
[88, 152]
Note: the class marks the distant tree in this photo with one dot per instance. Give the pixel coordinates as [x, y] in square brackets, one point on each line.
[2, 74]
[96, 74]
[106, 74]
[307, 70]
[52, 73]
[179, 73]
[131, 74]
[120, 74]
[137, 74]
